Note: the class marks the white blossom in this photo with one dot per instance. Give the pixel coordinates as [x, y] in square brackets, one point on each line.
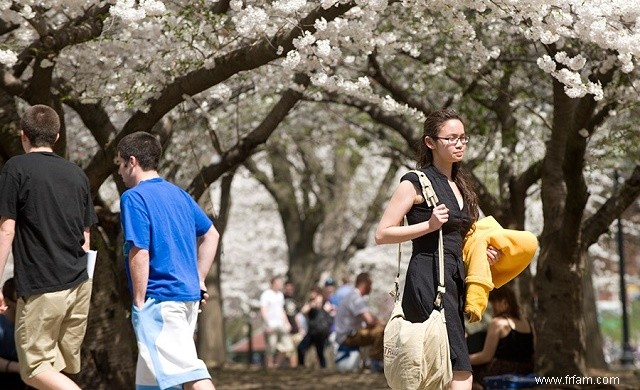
[363, 82]
[389, 104]
[8, 58]
[289, 6]
[596, 90]
[27, 12]
[546, 63]
[251, 20]
[626, 59]
[221, 92]
[320, 24]
[235, 5]
[319, 78]
[576, 63]
[307, 39]
[547, 37]
[323, 48]
[292, 60]
[127, 11]
[153, 7]
[45, 63]
[326, 4]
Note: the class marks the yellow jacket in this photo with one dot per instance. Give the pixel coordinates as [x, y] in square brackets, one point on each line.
[518, 248]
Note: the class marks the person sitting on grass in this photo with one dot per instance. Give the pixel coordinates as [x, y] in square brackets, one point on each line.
[508, 347]
[9, 367]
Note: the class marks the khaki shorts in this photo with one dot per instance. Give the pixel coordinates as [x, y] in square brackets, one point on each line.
[296, 338]
[279, 340]
[50, 328]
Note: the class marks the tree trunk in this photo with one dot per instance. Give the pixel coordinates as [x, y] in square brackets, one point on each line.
[560, 348]
[211, 335]
[304, 270]
[595, 354]
[109, 349]
[10, 144]
[559, 319]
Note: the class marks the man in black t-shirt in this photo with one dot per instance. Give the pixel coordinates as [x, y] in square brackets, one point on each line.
[45, 217]
[291, 309]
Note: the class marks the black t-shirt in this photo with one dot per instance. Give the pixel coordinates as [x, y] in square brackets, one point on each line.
[50, 200]
[291, 308]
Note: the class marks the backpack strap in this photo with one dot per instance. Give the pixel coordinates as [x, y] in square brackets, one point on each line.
[429, 195]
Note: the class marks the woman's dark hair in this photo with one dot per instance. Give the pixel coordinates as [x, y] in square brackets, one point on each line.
[507, 295]
[144, 147]
[432, 125]
[9, 290]
[41, 125]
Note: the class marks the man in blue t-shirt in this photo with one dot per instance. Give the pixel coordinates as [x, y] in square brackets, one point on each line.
[169, 245]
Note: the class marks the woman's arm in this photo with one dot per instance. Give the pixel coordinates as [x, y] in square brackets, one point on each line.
[494, 333]
[389, 231]
[7, 366]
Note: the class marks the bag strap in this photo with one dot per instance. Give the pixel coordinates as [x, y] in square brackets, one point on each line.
[431, 198]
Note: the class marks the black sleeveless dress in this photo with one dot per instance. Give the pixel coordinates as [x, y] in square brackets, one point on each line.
[422, 274]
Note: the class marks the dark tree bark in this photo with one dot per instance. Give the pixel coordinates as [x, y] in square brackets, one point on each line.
[109, 350]
[211, 336]
[10, 144]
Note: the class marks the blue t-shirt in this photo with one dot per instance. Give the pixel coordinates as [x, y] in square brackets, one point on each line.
[162, 218]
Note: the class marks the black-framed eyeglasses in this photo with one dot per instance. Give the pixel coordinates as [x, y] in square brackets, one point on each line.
[454, 140]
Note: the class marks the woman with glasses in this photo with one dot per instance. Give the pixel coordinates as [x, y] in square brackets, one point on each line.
[441, 150]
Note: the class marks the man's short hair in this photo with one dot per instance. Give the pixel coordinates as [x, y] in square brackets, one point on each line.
[41, 125]
[144, 147]
[363, 277]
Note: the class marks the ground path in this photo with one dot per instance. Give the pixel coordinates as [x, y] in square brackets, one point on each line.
[240, 377]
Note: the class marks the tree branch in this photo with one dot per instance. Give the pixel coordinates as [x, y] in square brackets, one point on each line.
[361, 237]
[221, 7]
[75, 31]
[95, 118]
[392, 121]
[377, 73]
[574, 158]
[242, 59]
[246, 146]
[594, 226]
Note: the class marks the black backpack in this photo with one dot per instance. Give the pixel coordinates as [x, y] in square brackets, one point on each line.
[320, 322]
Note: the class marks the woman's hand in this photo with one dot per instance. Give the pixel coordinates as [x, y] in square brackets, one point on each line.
[493, 254]
[439, 217]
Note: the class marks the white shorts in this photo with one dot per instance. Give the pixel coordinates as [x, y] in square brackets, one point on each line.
[167, 355]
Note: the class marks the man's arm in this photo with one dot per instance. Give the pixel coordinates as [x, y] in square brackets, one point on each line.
[264, 313]
[7, 232]
[207, 247]
[368, 318]
[139, 269]
[87, 239]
